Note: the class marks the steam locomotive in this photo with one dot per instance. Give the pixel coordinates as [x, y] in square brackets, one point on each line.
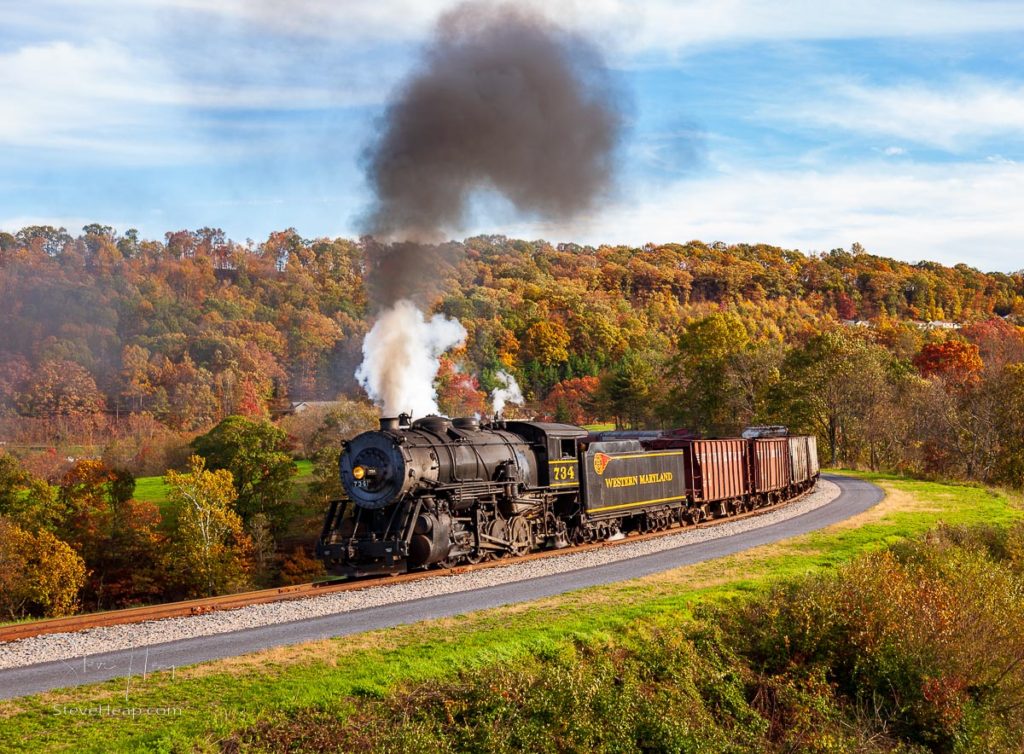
[447, 492]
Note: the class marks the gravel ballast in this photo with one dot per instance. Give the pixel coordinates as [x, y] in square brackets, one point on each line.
[67, 646]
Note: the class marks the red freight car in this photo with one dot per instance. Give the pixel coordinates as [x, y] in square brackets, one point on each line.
[717, 470]
[770, 466]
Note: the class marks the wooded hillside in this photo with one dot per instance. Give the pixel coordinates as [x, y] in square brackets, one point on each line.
[196, 327]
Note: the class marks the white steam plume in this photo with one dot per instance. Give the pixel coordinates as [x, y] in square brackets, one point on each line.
[509, 392]
[401, 357]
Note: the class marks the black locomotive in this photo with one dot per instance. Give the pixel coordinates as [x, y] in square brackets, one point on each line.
[446, 492]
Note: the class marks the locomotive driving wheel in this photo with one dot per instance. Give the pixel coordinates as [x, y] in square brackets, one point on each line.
[519, 536]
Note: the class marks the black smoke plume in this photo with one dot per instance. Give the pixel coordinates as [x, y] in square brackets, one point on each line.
[502, 101]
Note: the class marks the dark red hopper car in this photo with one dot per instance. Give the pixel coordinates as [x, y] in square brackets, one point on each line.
[771, 464]
[717, 469]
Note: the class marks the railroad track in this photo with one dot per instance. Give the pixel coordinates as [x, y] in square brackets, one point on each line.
[304, 591]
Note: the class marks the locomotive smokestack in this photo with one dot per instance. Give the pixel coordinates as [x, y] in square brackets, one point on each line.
[388, 423]
[504, 101]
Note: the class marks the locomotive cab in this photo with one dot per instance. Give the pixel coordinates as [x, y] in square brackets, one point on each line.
[557, 449]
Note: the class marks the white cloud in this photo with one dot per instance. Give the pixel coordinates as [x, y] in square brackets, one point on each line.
[894, 151]
[967, 212]
[103, 99]
[951, 116]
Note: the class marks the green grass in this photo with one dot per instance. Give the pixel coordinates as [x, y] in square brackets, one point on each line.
[152, 489]
[218, 698]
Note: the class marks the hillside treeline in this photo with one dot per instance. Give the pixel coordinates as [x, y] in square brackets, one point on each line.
[112, 338]
[122, 356]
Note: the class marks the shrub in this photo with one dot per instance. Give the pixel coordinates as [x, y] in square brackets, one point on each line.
[927, 638]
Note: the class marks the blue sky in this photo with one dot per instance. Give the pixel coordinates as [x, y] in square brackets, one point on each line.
[809, 125]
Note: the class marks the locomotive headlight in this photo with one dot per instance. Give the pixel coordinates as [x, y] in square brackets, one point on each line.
[363, 472]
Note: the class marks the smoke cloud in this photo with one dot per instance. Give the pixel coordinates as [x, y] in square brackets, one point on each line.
[508, 392]
[401, 356]
[503, 101]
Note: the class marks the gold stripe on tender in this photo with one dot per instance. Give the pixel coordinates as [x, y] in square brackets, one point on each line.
[646, 455]
[632, 505]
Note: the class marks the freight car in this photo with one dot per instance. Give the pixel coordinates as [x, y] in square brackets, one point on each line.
[445, 492]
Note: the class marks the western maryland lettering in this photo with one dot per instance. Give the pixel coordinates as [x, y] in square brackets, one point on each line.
[636, 480]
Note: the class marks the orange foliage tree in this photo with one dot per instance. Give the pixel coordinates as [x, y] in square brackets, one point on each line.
[118, 537]
[573, 400]
[458, 393]
[954, 361]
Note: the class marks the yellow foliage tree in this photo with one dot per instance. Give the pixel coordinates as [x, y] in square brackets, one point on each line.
[212, 552]
[548, 342]
[38, 573]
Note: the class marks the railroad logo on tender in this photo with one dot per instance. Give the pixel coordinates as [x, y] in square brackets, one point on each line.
[601, 462]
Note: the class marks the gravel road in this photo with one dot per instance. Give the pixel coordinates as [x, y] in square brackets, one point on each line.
[57, 660]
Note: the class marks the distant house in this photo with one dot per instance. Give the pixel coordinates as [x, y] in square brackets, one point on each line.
[298, 407]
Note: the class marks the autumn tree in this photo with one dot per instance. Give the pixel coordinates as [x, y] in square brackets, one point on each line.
[1009, 423]
[117, 536]
[573, 401]
[39, 574]
[1000, 343]
[136, 375]
[26, 500]
[256, 454]
[211, 552]
[60, 388]
[547, 341]
[830, 387]
[954, 361]
[326, 426]
[458, 393]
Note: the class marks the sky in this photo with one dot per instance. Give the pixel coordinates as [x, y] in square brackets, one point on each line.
[809, 125]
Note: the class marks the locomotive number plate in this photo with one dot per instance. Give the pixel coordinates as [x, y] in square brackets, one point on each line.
[562, 473]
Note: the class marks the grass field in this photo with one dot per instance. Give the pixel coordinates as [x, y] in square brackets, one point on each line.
[153, 490]
[212, 700]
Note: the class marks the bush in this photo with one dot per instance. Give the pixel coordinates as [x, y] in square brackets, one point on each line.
[299, 568]
[926, 638]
